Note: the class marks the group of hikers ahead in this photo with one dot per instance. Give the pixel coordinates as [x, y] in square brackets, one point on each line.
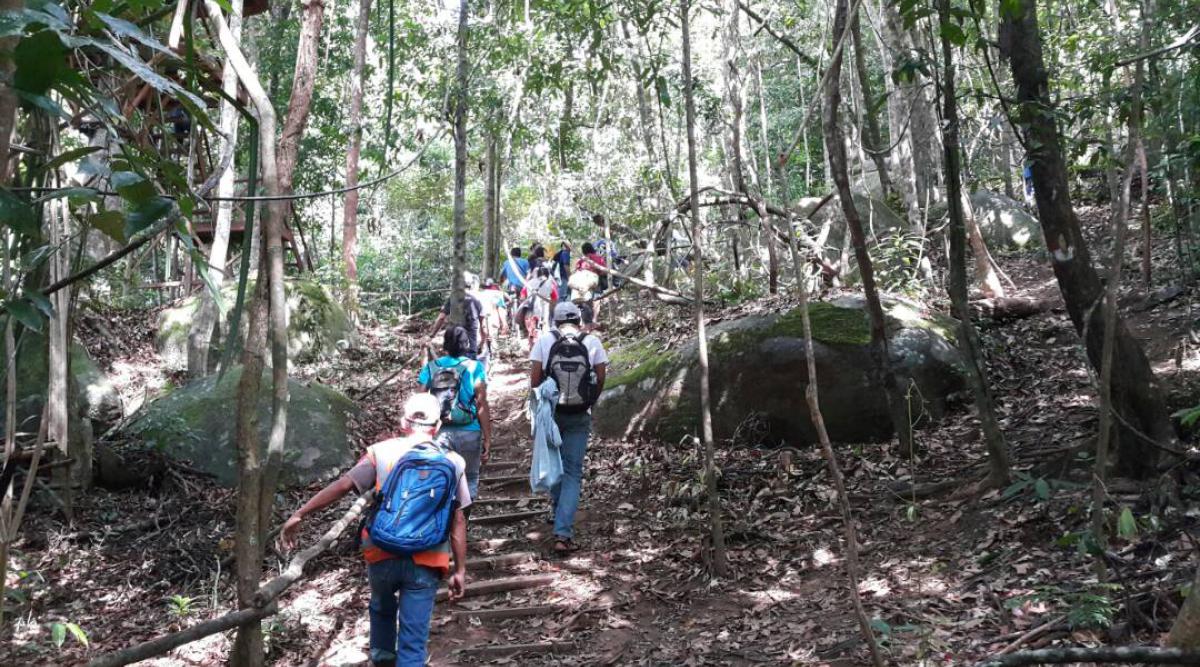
[535, 284]
[426, 479]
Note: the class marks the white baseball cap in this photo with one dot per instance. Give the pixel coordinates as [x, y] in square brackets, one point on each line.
[423, 409]
[566, 311]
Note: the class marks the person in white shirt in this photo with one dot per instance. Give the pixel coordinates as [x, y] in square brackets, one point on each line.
[574, 421]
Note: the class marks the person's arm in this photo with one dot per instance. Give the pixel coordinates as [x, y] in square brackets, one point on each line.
[324, 498]
[601, 372]
[437, 324]
[485, 419]
[535, 374]
[457, 584]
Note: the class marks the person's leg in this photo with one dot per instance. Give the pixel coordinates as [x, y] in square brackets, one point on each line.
[575, 430]
[417, 594]
[382, 610]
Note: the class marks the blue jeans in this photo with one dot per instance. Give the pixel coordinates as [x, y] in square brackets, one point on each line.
[416, 586]
[469, 445]
[575, 430]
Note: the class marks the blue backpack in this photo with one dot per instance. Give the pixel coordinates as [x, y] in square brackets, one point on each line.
[414, 506]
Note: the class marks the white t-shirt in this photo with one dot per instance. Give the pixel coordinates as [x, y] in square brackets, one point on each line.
[373, 468]
[541, 349]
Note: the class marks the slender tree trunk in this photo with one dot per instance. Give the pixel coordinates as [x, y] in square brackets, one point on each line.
[201, 332]
[968, 337]
[1147, 232]
[720, 567]
[737, 125]
[256, 479]
[875, 146]
[304, 80]
[491, 251]
[462, 75]
[350, 209]
[8, 96]
[985, 271]
[836, 147]
[1137, 397]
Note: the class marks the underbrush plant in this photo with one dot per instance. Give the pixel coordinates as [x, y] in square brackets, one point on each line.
[181, 606]
[1088, 609]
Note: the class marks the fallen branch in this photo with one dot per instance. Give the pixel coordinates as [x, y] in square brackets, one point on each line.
[295, 569]
[1011, 308]
[403, 367]
[640, 283]
[1153, 655]
[165, 643]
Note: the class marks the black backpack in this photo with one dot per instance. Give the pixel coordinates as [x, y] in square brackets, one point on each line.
[571, 367]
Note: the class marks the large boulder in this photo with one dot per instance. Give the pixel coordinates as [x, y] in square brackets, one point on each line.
[317, 324]
[1004, 222]
[196, 423]
[830, 222]
[759, 374]
[93, 395]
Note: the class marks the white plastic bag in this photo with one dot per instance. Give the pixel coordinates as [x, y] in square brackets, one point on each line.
[546, 466]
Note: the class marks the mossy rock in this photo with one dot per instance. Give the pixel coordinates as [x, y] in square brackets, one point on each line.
[93, 395]
[758, 368]
[196, 423]
[317, 323]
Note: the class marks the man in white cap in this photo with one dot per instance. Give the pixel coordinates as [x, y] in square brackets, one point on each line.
[577, 362]
[403, 587]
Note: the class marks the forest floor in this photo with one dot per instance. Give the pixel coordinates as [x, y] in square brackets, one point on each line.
[948, 578]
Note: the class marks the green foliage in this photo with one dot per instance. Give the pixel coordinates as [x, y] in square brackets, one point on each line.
[181, 606]
[59, 632]
[1086, 609]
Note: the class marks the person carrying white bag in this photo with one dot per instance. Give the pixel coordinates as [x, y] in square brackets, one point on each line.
[577, 362]
[545, 471]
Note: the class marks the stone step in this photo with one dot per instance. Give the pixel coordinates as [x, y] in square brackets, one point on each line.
[493, 586]
[504, 480]
[505, 613]
[499, 562]
[492, 651]
[512, 517]
[509, 501]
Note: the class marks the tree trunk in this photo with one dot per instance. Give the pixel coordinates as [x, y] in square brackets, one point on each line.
[719, 565]
[491, 250]
[985, 271]
[458, 284]
[201, 332]
[917, 154]
[8, 96]
[836, 147]
[350, 208]
[256, 479]
[1137, 397]
[875, 146]
[968, 337]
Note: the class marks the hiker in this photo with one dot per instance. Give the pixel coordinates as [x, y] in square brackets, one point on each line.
[404, 579]
[460, 385]
[540, 295]
[592, 261]
[583, 285]
[516, 270]
[537, 258]
[561, 267]
[577, 362]
[495, 312]
[472, 322]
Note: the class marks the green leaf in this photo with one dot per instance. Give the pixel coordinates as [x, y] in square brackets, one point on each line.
[124, 28]
[953, 33]
[1042, 489]
[139, 68]
[1126, 524]
[18, 215]
[26, 314]
[58, 634]
[40, 302]
[110, 223]
[133, 187]
[41, 60]
[145, 215]
[76, 195]
[65, 158]
[78, 633]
